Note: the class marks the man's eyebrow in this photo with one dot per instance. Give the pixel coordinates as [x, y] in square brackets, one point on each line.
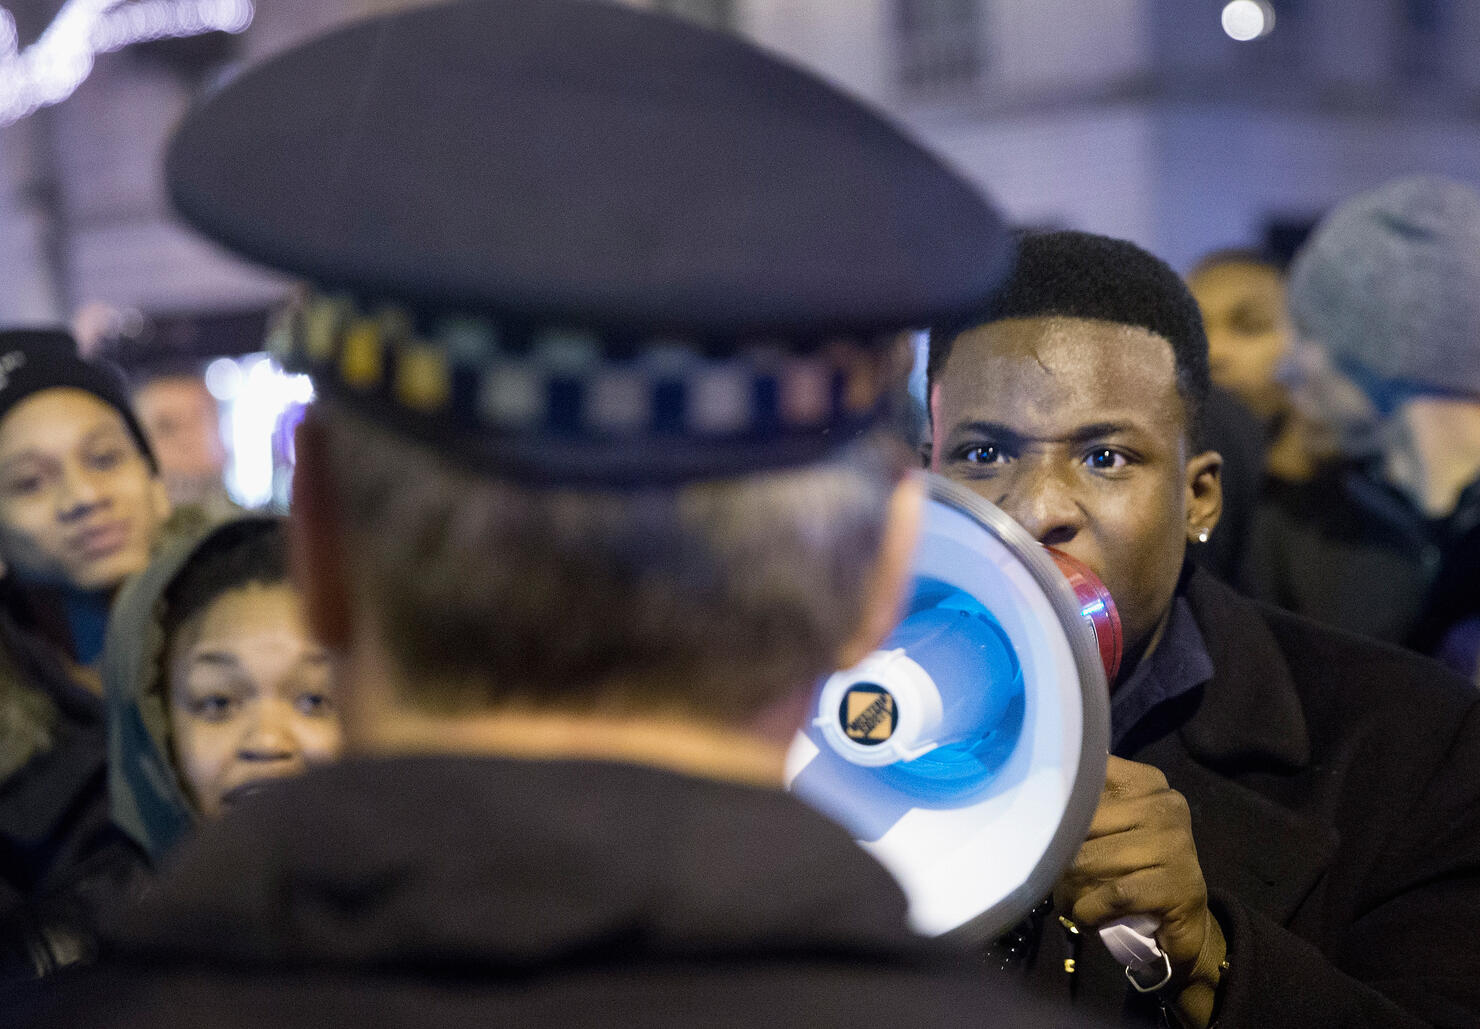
[108, 432]
[1012, 437]
[29, 454]
[215, 658]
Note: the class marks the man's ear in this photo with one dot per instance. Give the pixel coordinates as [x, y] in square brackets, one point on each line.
[891, 573]
[1204, 494]
[315, 537]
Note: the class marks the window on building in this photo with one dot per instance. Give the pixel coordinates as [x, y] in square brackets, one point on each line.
[940, 44]
[719, 14]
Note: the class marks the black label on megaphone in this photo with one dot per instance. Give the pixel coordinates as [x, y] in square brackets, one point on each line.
[868, 714]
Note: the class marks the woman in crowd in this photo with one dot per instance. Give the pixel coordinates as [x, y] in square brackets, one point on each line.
[215, 690]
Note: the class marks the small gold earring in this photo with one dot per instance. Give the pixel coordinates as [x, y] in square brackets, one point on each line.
[1202, 535]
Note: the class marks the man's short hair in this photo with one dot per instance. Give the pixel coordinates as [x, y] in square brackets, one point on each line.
[1068, 274]
[712, 599]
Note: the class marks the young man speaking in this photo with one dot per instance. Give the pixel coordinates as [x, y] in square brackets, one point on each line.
[1297, 809]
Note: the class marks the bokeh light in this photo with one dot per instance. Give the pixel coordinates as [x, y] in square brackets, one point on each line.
[1246, 20]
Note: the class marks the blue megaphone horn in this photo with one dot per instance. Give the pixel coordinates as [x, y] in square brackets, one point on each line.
[968, 753]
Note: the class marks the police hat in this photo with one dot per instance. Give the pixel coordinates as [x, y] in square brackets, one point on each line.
[570, 241]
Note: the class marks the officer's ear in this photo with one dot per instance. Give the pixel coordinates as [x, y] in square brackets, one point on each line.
[316, 538]
[891, 574]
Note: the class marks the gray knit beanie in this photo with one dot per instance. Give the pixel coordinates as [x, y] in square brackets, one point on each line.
[1389, 283]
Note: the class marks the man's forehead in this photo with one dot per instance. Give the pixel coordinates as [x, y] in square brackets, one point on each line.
[1055, 367]
[54, 420]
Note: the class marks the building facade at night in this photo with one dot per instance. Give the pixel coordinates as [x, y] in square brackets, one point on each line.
[1138, 118]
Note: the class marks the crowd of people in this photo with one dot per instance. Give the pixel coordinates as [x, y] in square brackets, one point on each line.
[601, 482]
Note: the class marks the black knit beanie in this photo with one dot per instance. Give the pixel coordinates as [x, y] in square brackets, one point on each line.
[32, 360]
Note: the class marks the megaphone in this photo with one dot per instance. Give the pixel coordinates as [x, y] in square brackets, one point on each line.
[968, 753]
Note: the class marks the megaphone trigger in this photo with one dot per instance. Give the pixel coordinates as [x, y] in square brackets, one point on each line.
[1132, 942]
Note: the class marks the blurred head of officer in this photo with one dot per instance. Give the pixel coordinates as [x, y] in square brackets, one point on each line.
[1074, 405]
[215, 688]
[476, 610]
[1242, 297]
[81, 500]
[1385, 298]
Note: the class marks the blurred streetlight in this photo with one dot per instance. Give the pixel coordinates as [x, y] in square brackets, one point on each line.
[1245, 20]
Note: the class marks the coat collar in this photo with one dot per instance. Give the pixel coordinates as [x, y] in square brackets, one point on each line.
[1251, 715]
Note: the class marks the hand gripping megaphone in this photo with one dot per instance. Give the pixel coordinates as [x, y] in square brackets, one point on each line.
[968, 753]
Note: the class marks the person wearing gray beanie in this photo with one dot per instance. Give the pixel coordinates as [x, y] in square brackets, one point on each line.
[1385, 300]
[1389, 286]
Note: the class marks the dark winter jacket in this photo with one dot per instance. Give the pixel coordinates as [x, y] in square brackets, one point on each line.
[1334, 786]
[433, 892]
[1350, 551]
[60, 857]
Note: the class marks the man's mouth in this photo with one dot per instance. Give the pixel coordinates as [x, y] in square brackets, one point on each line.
[101, 541]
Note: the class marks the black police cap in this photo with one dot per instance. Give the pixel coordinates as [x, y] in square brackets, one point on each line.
[569, 240]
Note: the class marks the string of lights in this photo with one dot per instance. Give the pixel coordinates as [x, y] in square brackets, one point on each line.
[50, 69]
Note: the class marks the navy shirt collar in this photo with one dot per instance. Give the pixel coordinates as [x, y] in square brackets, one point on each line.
[1179, 664]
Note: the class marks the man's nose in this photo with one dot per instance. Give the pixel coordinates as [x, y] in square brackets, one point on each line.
[80, 494]
[1044, 500]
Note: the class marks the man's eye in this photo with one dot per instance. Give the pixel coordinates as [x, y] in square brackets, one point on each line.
[988, 453]
[1251, 323]
[315, 703]
[23, 486]
[106, 459]
[1105, 459]
[216, 707]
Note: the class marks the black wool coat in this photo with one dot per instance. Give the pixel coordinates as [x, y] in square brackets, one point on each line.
[456, 892]
[1334, 787]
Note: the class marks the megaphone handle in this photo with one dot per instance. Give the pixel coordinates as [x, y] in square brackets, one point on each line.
[1132, 942]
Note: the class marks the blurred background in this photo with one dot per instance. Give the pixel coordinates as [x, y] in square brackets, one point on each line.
[1184, 125]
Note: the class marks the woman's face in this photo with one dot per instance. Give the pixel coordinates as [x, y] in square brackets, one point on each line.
[251, 696]
[79, 504]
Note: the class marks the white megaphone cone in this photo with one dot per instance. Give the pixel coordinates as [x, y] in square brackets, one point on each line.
[968, 754]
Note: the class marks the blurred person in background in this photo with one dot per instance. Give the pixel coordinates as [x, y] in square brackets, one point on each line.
[1385, 540]
[183, 423]
[82, 507]
[1248, 417]
[215, 689]
[1242, 297]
